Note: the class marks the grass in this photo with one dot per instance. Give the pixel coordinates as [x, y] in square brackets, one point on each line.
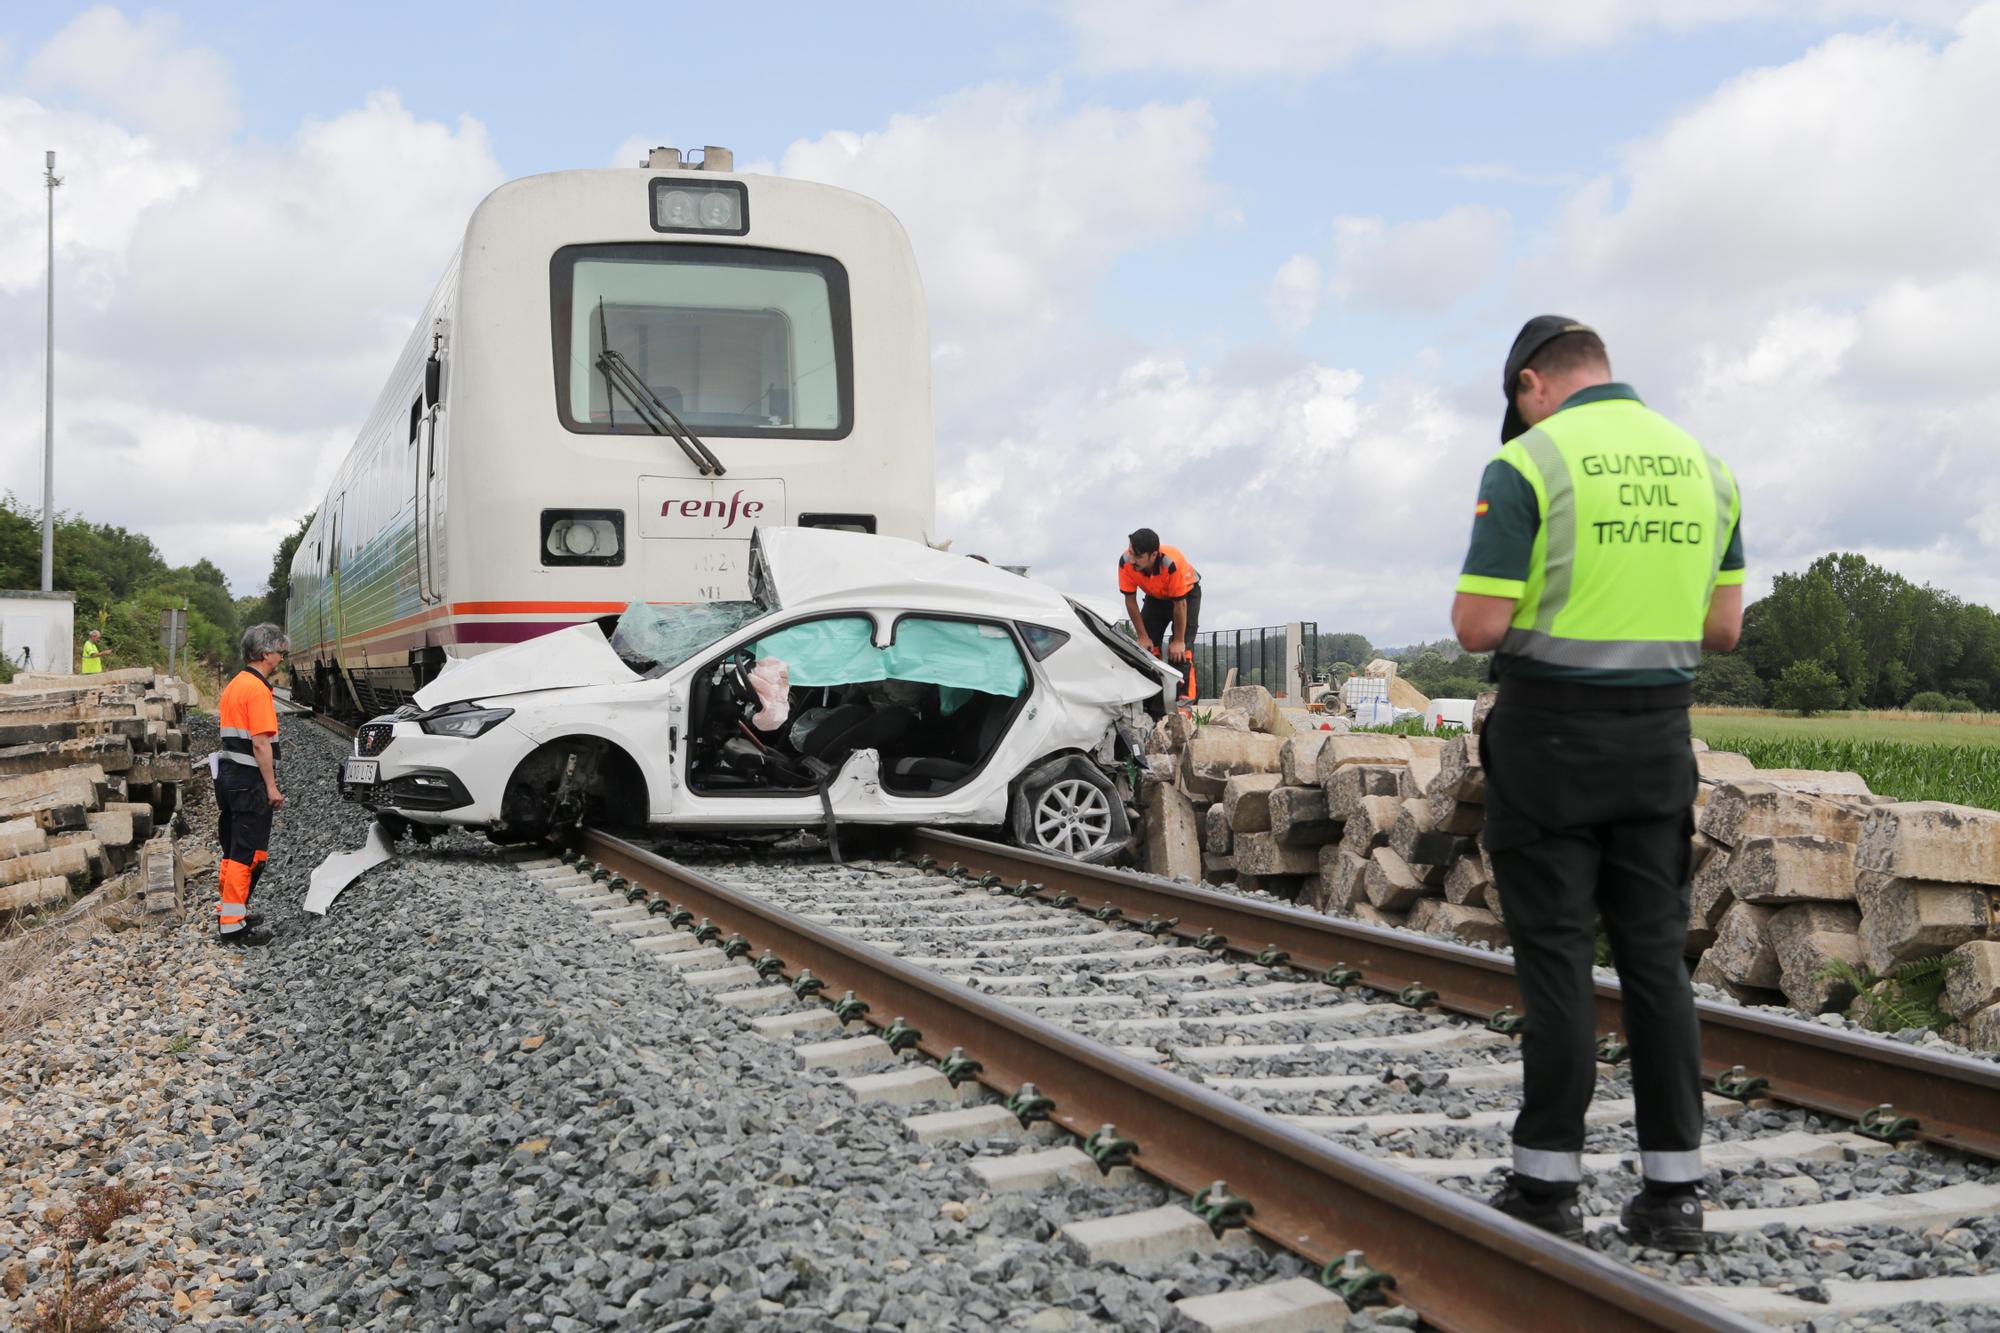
[1971, 729]
[1914, 757]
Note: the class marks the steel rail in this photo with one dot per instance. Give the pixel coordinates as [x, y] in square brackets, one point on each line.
[1464, 1267]
[1955, 1099]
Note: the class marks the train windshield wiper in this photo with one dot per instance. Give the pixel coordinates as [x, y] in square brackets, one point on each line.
[652, 409]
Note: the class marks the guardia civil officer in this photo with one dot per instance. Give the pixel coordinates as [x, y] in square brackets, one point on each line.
[1605, 556]
[246, 782]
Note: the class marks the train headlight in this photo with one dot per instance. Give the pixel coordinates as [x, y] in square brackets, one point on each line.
[583, 537]
[718, 207]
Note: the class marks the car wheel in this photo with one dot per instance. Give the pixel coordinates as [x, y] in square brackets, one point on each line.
[1068, 807]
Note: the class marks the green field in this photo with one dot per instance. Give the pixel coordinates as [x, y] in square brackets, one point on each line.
[1913, 758]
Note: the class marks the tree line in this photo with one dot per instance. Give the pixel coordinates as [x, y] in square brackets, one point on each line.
[122, 584]
[1844, 633]
[1847, 633]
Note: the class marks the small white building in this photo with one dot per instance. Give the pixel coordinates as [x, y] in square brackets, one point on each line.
[38, 630]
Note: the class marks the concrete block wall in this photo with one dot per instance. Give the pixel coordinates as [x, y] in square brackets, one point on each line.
[1792, 869]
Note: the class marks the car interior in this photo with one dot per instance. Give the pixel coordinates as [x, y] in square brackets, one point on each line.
[934, 706]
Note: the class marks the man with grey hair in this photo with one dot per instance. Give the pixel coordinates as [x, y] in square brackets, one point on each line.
[246, 782]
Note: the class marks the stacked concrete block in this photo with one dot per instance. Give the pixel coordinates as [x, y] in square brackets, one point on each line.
[1809, 938]
[1925, 879]
[1299, 817]
[1792, 871]
[1173, 833]
[89, 766]
[1246, 802]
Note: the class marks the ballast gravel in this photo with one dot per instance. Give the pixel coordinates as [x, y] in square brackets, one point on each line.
[466, 1106]
[1779, 1256]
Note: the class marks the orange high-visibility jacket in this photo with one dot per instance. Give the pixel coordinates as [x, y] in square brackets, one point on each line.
[1173, 578]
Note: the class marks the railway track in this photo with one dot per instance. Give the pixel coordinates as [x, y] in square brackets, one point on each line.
[1283, 1071]
[1338, 1089]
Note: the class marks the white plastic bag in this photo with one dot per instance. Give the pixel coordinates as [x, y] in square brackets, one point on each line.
[772, 680]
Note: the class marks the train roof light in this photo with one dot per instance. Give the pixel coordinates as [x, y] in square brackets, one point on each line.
[681, 205]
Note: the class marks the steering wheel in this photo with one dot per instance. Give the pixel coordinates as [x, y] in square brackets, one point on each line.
[739, 679]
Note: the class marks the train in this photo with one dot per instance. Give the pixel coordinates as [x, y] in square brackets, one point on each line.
[621, 375]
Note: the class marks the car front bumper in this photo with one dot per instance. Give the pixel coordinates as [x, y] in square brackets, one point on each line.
[436, 779]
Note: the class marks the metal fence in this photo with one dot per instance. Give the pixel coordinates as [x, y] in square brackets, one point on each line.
[1257, 656]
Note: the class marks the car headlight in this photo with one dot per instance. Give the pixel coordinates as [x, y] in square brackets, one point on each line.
[464, 723]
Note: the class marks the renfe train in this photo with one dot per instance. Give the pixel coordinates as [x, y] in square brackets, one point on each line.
[621, 375]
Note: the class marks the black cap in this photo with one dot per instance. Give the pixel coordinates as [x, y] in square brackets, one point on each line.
[1536, 334]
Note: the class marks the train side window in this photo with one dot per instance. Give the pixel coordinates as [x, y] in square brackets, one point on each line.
[416, 417]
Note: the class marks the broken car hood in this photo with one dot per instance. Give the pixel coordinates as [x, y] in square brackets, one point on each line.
[576, 656]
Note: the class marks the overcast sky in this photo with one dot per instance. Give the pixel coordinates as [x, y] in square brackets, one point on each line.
[1244, 271]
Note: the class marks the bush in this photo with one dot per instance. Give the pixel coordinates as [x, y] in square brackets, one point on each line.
[1807, 687]
[1936, 701]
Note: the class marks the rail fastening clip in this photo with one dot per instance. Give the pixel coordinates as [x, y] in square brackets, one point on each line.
[1108, 1149]
[1734, 1082]
[1028, 1104]
[1355, 1282]
[1215, 1205]
[900, 1035]
[1883, 1123]
[958, 1066]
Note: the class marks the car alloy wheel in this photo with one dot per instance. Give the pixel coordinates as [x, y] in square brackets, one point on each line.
[1072, 818]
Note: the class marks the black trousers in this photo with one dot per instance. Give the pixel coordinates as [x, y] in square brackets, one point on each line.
[1157, 615]
[1588, 818]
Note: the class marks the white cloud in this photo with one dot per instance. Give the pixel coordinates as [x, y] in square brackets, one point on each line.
[1015, 201]
[140, 72]
[239, 302]
[1426, 265]
[1252, 37]
[1293, 492]
[1802, 269]
[1296, 289]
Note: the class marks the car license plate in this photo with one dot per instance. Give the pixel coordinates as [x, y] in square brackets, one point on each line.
[361, 770]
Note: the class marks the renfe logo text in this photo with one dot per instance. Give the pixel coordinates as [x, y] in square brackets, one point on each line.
[737, 507]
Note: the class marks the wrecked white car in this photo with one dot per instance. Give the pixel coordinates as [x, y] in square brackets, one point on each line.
[871, 681]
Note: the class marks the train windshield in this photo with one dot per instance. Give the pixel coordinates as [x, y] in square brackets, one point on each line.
[735, 340]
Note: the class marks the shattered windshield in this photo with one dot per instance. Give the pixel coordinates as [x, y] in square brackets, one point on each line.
[652, 639]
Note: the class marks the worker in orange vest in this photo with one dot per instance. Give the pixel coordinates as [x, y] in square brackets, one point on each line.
[1173, 597]
[246, 782]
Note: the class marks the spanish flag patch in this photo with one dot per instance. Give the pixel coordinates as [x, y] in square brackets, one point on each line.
[1480, 508]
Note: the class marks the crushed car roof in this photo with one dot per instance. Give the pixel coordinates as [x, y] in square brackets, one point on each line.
[813, 566]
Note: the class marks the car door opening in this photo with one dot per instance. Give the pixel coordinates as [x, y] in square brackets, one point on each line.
[933, 705]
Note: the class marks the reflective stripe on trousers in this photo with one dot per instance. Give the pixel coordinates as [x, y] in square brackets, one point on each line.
[1671, 1168]
[1558, 1168]
[233, 899]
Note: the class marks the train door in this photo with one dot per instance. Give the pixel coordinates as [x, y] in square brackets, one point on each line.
[424, 441]
[422, 431]
[335, 610]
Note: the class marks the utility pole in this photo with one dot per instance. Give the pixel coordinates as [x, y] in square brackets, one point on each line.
[50, 180]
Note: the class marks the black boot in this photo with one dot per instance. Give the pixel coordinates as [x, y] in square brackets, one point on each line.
[246, 938]
[1552, 1208]
[1664, 1220]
